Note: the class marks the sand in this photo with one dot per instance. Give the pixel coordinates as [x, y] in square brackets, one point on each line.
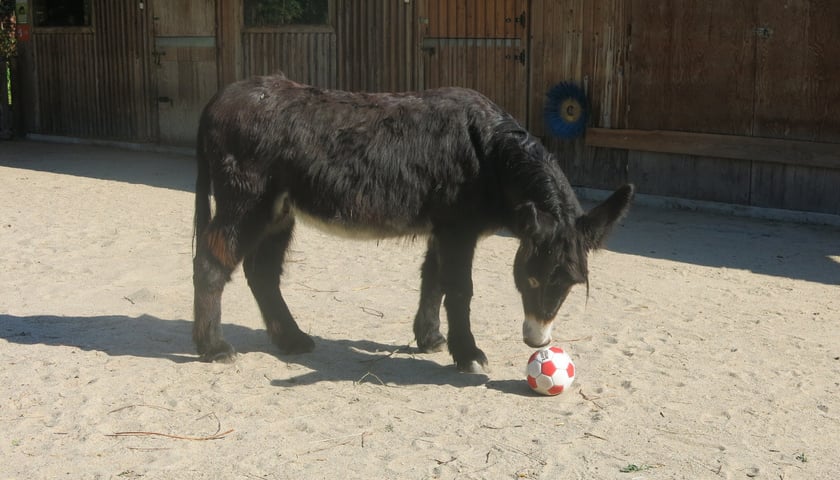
[708, 348]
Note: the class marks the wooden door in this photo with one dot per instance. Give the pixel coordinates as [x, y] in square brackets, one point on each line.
[479, 44]
[184, 62]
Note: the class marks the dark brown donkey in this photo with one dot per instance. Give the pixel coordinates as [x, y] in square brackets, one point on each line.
[447, 163]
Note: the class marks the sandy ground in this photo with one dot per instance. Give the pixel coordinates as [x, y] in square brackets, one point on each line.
[708, 348]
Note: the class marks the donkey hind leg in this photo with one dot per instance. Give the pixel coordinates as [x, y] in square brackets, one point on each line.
[215, 259]
[456, 250]
[427, 321]
[233, 231]
[263, 268]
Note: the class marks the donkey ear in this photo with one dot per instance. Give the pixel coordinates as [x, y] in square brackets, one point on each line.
[529, 221]
[597, 223]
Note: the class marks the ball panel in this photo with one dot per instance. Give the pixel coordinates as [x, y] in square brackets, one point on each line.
[544, 383]
[534, 369]
[556, 390]
[570, 370]
[548, 368]
[532, 382]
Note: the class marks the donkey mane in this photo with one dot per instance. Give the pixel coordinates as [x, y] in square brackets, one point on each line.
[536, 171]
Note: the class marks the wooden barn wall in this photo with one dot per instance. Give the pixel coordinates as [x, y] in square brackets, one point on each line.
[696, 66]
[478, 44]
[583, 42]
[377, 45]
[307, 56]
[798, 97]
[369, 46]
[752, 69]
[759, 69]
[92, 82]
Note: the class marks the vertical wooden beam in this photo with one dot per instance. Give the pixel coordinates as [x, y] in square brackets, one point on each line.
[229, 41]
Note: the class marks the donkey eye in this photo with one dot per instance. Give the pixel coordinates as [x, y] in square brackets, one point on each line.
[533, 282]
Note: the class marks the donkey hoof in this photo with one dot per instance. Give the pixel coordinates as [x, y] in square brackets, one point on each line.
[432, 343]
[295, 344]
[478, 364]
[222, 353]
[473, 367]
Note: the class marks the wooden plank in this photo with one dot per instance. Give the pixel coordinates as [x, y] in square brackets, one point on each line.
[692, 66]
[556, 51]
[308, 57]
[797, 70]
[694, 177]
[185, 17]
[795, 188]
[792, 152]
[605, 45]
[604, 168]
[230, 45]
[375, 45]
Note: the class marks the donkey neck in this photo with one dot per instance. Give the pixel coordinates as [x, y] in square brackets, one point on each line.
[532, 174]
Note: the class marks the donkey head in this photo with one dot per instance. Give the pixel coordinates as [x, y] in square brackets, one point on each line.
[552, 258]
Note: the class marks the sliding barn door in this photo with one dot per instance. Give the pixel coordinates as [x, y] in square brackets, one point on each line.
[479, 44]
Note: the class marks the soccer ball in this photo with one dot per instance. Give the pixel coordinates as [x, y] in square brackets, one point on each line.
[550, 371]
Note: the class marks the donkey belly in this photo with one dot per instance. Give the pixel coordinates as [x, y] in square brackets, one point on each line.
[349, 223]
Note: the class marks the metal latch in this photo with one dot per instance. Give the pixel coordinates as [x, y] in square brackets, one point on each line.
[764, 32]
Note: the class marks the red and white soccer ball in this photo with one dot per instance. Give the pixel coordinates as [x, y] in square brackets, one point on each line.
[550, 371]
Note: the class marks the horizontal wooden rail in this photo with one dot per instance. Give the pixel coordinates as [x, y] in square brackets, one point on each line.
[789, 152]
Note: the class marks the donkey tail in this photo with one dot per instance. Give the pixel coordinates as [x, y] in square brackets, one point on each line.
[202, 193]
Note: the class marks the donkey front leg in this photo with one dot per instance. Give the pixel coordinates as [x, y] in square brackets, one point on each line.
[456, 249]
[427, 321]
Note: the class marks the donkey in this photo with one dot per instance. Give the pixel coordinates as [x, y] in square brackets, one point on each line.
[447, 164]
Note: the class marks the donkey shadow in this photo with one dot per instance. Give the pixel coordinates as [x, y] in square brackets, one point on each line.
[146, 336]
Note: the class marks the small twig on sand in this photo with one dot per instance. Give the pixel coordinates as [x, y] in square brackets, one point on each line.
[382, 357]
[372, 311]
[140, 405]
[590, 399]
[216, 436]
[587, 434]
[166, 435]
[581, 339]
[315, 289]
[371, 374]
[213, 416]
[347, 440]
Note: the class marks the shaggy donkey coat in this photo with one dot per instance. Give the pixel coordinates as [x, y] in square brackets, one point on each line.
[447, 163]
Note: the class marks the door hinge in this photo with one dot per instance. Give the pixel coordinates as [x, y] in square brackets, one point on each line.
[521, 57]
[520, 19]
